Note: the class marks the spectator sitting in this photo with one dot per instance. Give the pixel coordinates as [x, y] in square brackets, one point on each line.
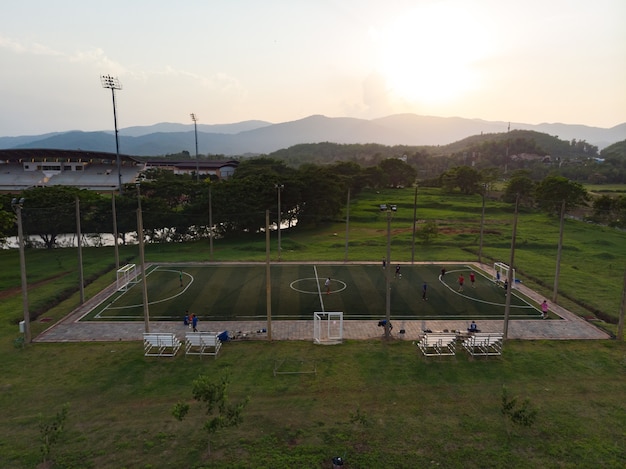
[473, 327]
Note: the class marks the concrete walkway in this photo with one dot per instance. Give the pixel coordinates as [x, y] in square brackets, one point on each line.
[570, 326]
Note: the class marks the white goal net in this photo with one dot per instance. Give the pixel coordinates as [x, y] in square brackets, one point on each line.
[328, 328]
[126, 277]
[501, 273]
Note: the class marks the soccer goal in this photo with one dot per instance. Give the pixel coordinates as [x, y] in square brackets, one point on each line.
[501, 273]
[126, 277]
[328, 328]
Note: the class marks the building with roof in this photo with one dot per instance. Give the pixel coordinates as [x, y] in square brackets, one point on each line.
[220, 169]
[93, 170]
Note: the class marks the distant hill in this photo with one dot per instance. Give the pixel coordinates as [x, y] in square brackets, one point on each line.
[259, 137]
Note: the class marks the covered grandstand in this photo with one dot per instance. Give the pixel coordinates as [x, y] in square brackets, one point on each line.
[93, 170]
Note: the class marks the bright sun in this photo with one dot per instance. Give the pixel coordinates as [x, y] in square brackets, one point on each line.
[429, 56]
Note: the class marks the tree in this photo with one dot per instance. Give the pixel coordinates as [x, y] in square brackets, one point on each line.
[322, 195]
[51, 210]
[523, 414]
[51, 430]
[214, 397]
[7, 219]
[610, 210]
[520, 184]
[397, 173]
[553, 190]
[429, 231]
[467, 179]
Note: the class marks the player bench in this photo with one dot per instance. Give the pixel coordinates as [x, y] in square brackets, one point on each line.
[484, 344]
[202, 343]
[160, 344]
[436, 344]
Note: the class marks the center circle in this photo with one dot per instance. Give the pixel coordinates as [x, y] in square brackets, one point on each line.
[293, 287]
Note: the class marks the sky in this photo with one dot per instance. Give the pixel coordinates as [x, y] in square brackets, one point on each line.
[227, 61]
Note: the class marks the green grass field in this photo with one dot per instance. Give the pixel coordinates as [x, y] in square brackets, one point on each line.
[377, 402]
[238, 292]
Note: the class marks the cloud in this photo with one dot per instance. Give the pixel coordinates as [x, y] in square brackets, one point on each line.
[376, 95]
[34, 48]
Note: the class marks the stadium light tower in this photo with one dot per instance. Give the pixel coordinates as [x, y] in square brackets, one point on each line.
[113, 83]
[195, 130]
[17, 206]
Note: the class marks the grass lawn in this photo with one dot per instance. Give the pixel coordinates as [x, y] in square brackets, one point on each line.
[377, 404]
[238, 292]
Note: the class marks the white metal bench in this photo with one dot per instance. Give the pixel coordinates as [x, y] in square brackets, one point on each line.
[202, 343]
[433, 344]
[160, 344]
[484, 344]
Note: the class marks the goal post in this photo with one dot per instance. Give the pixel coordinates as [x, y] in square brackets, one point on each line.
[501, 273]
[328, 327]
[126, 276]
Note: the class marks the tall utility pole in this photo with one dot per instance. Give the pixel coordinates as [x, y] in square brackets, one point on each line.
[195, 130]
[555, 290]
[414, 226]
[622, 311]
[345, 257]
[210, 225]
[113, 83]
[279, 188]
[388, 277]
[268, 278]
[507, 307]
[17, 206]
[142, 259]
[115, 233]
[482, 226]
[79, 236]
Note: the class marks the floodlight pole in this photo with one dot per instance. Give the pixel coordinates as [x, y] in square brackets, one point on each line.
[279, 188]
[195, 129]
[17, 206]
[113, 83]
[142, 259]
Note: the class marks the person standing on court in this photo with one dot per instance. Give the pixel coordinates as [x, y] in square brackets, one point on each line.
[472, 279]
[424, 289]
[327, 285]
[461, 282]
[398, 275]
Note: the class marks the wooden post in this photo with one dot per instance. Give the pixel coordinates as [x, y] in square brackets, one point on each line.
[268, 280]
[507, 307]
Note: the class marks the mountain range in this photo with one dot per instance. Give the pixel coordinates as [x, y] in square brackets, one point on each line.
[260, 137]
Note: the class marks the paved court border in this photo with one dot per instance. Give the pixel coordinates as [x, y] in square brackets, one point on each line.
[70, 329]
